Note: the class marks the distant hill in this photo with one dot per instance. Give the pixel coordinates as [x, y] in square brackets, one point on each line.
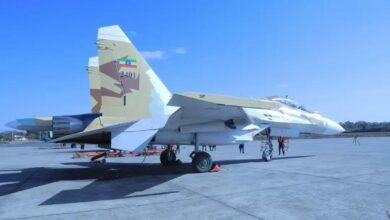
[363, 126]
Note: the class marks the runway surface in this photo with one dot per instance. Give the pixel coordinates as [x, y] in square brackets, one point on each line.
[317, 179]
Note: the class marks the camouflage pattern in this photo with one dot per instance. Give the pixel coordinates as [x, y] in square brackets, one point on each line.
[129, 88]
[94, 84]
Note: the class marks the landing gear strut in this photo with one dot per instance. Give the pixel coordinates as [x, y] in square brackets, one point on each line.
[168, 157]
[201, 161]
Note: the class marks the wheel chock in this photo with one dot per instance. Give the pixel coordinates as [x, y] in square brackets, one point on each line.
[98, 156]
[215, 168]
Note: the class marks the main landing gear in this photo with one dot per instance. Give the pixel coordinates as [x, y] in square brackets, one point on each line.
[201, 161]
[168, 157]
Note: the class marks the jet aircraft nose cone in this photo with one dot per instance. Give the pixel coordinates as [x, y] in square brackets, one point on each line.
[333, 128]
[13, 124]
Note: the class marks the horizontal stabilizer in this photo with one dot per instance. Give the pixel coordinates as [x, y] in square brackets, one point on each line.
[137, 136]
[134, 141]
[129, 136]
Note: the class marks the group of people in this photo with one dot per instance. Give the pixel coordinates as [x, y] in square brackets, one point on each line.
[211, 147]
[241, 147]
[174, 147]
[281, 142]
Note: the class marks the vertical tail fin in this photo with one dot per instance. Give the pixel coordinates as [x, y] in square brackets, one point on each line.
[129, 86]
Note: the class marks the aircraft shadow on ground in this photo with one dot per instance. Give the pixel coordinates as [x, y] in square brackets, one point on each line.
[110, 180]
[228, 162]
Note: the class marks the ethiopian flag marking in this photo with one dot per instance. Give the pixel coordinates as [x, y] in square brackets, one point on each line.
[126, 62]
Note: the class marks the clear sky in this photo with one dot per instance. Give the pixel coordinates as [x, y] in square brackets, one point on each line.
[331, 56]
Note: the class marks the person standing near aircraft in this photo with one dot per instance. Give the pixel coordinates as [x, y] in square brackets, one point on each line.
[281, 141]
[241, 147]
[355, 140]
[177, 148]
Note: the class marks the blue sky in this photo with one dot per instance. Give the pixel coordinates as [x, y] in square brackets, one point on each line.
[331, 56]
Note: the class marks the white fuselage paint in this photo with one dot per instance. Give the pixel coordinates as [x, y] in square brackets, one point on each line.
[286, 121]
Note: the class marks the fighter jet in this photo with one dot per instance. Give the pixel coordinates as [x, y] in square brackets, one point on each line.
[132, 108]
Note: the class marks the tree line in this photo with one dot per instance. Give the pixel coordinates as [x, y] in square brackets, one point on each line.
[363, 126]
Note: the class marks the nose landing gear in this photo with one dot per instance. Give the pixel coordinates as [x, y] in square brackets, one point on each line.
[267, 147]
[267, 155]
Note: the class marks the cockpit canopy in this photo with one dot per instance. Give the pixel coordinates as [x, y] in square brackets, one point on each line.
[289, 102]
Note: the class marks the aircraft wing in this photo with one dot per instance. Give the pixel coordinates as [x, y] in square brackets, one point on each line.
[180, 98]
[216, 107]
[129, 136]
[194, 109]
[206, 113]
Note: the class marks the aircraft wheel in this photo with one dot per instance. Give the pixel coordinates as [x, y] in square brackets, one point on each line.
[168, 157]
[266, 156]
[202, 162]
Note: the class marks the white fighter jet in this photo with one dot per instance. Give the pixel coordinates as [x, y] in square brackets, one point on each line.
[132, 108]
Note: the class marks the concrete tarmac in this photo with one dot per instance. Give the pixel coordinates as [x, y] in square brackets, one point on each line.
[317, 179]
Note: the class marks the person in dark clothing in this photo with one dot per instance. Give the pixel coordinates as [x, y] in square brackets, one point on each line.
[178, 148]
[355, 140]
[241, 147]
[281, 141]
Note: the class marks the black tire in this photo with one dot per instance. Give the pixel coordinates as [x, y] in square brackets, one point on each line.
[266, 156]
[168, 157]
[202, 162]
